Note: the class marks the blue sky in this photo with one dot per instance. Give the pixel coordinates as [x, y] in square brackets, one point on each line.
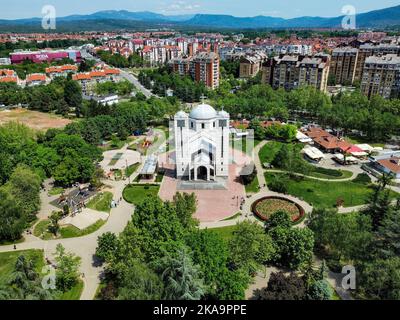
[12, 9]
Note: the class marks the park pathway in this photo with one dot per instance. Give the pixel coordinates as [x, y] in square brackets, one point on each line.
[84, 247]
[260, 170]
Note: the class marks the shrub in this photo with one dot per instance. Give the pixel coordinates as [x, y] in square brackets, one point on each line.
[328, 172]
[362, 178]
[277, 185]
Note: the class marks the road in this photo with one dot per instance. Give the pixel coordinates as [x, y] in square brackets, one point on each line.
[132, 79]
[85, 247]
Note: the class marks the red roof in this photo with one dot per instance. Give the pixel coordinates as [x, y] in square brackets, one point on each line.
[7, 72]
[111, 71]
[81, 76]
[9, 79]
[36, 77]
[393, 164]
[97, 74]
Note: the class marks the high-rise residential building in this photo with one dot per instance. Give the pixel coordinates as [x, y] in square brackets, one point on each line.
[181, 66]
[381, 76]
[285, 73]
[343, 65]
[368, 50]
[205, 69]
[313, 71]
[290, 72]
[250, 65]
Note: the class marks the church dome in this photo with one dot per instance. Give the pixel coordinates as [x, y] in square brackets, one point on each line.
[181, 114]
[203, 112]
[223, 114]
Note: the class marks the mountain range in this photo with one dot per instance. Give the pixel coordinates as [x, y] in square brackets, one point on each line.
[113, 19]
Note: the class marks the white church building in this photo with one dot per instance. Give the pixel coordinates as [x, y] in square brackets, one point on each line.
[202, 144]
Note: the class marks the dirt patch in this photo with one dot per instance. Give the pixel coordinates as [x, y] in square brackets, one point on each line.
[33, 119]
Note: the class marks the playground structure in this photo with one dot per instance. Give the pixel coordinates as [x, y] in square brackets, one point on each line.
[76, 200]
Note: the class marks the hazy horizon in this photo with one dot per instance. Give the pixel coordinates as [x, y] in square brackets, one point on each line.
[241, 8]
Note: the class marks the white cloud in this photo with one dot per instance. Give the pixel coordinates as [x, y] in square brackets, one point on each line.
[180, 6]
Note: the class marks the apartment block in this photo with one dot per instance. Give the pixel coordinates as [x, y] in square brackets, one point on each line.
[205, 69]
[181, 66]
[290, 72]
[368, 50]
[381, 76]
[343, 65]
[250, 65]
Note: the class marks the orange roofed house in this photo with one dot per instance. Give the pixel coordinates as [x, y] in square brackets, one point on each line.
[63, 71]
[36, 79]
[8, 76]
[89, 80]
[390, 165]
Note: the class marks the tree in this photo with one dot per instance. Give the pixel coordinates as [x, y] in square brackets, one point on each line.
[157, 228]
[259, 131]
[278, 219]
[107, 245]
[345, 236]
[67, 273]
[379, 279]
[378, 206]
[210, 253]
[250, 247]
[388, 240]
[232, 284]
[319, 290]
[54, 227]
[293, 246]
[281, 287]
[185, 206]
[24, 186]
[12, 222]
[181, 277]
[73, 96]
[25, 283]
[139, 282]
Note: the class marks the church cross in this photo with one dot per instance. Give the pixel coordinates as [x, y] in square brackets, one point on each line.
[202, 98]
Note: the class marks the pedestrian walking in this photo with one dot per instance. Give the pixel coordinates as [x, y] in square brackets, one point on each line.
[15, 247]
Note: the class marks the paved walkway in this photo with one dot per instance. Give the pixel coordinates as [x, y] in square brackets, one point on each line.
[85, 246]
[260, 170]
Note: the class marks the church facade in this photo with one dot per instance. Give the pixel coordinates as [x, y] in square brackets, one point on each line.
[202, 144]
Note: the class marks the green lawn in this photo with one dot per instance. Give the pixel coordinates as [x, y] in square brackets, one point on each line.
[268, 152]
[324, 173]
[325, 193]
[136, 193]
[237, 215]
[74, 293]
[131, 169]
[244, 145]
[69, 231]
[226, 233]
[55, 191]
[115, 159]
[41, 230]
[253, 186]
[73, 232]
[101, 202]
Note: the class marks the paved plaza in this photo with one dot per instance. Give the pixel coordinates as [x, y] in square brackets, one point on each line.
[213, 205]
[85, 218]
[129, 157]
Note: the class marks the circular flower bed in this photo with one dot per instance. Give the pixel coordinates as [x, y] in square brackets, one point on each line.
[267, 206]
